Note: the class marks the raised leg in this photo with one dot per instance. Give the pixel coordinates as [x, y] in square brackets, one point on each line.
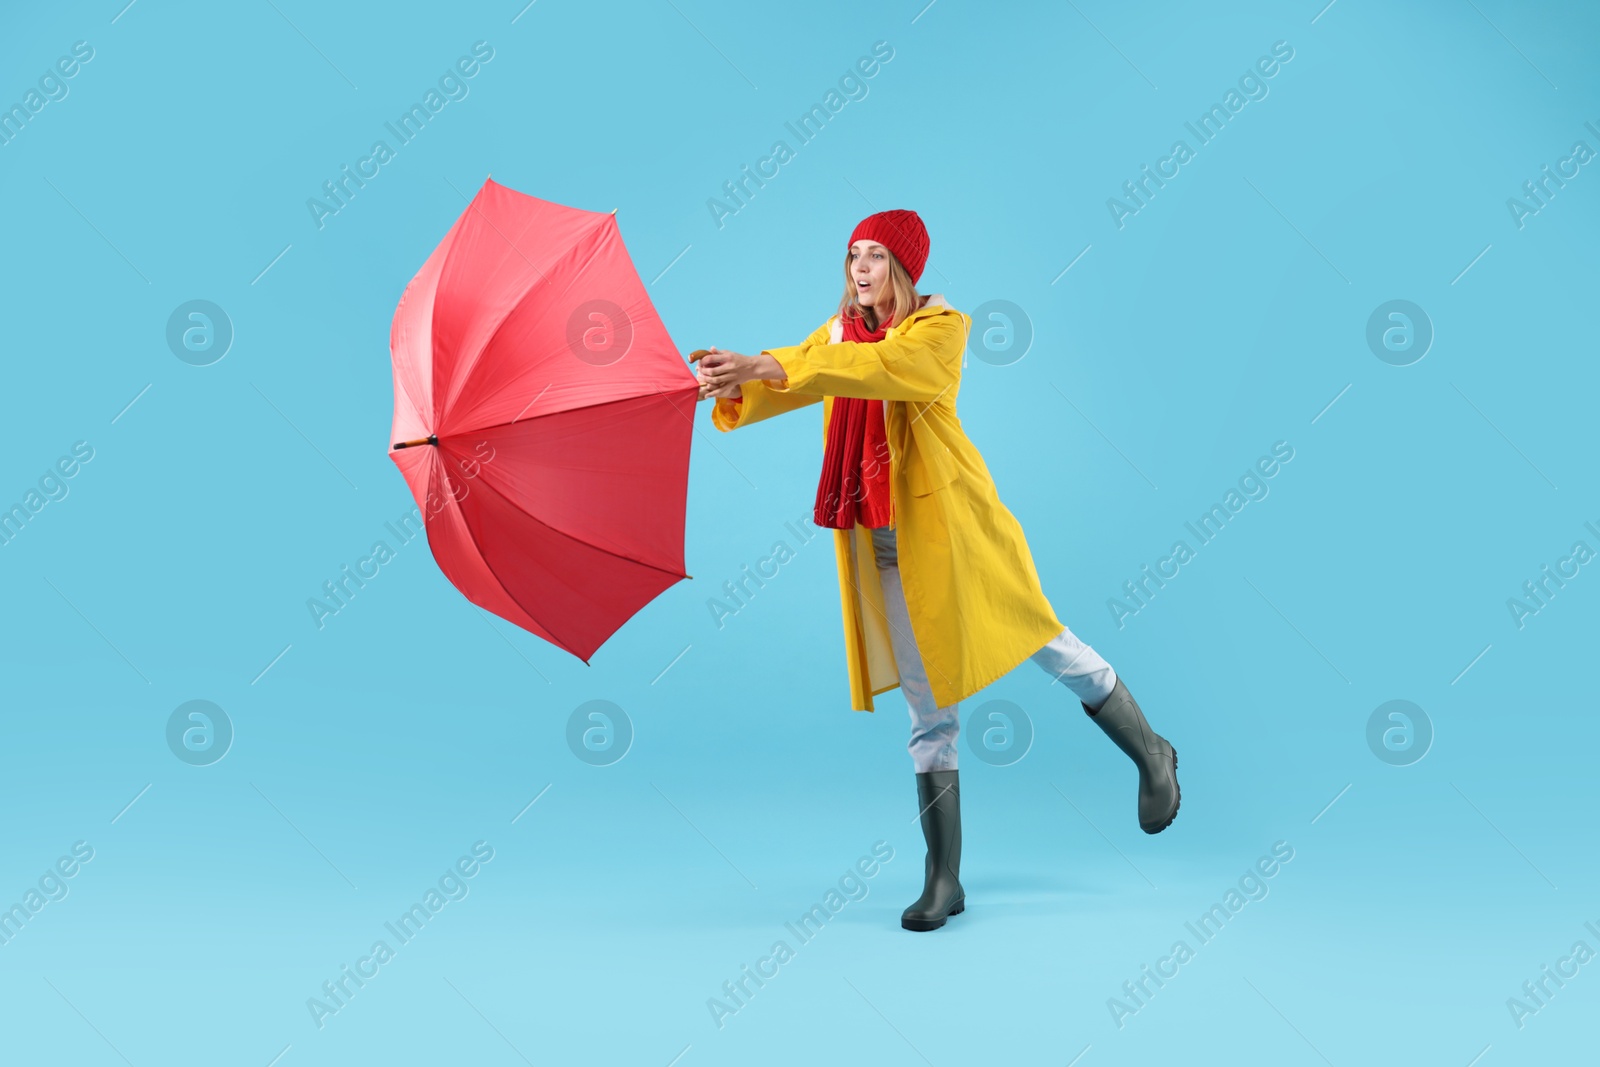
[1077, 666]
[1107, 701]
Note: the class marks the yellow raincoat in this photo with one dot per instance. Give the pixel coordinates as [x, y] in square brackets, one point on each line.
[972, 593]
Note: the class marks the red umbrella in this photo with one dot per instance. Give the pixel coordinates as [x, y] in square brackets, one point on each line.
[542, 418]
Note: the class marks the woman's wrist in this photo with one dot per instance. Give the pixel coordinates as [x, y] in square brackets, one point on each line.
[768, 368]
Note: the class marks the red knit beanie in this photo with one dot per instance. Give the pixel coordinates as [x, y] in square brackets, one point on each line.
[901, 232]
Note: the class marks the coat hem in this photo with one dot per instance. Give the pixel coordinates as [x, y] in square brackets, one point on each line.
[876, 692]
[984, 683]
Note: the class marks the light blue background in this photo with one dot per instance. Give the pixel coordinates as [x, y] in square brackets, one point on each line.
[1224, 317]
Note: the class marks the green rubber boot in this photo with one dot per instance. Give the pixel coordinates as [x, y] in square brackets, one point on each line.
[939, 798]
[1157, 760]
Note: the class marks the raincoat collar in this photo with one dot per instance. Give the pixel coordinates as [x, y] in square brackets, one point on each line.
[935, 301]
[935, 305]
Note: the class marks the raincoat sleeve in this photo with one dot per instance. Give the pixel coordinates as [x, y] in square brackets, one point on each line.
[758, 400]
[920, 365]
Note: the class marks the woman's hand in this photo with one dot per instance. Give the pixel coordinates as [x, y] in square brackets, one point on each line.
[720, 368]
[722, 372]
[731, 392]
[707, 386]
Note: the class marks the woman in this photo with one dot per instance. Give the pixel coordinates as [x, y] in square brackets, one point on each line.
[952, 601]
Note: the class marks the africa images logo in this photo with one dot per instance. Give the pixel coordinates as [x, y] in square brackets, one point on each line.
[1205, 128]
[452, 85]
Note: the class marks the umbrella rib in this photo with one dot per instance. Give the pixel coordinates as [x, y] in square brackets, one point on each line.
[473, 535]
[450, 401]
[501, 581]
[581, 407]
[423, 376]
[572, 537]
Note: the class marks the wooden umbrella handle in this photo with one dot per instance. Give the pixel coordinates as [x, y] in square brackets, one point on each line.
[431, 439]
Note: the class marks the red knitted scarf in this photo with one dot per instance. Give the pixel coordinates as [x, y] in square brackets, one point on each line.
[854, 487]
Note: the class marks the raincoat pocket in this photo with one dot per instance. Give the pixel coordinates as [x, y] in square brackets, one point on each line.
[929, 477]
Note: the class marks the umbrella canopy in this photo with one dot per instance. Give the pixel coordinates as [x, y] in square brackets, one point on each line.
[542, 418]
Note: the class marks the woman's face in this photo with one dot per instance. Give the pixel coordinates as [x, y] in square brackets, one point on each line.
[869, 268]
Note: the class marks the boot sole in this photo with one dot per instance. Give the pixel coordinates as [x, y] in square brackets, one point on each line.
[1175, 806]
[923, 925]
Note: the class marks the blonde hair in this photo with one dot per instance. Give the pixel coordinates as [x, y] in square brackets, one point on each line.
[902, 290]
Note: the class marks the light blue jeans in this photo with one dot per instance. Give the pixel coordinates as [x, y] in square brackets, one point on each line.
[934, 729]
